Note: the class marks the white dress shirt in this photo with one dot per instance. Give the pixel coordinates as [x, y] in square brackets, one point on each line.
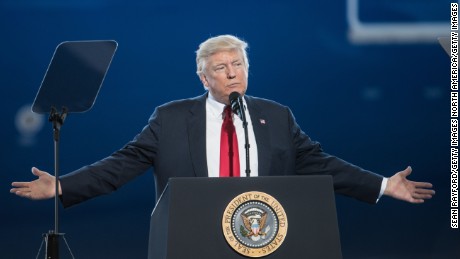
[214, 120]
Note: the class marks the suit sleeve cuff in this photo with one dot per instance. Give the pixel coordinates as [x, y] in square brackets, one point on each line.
[382, 188]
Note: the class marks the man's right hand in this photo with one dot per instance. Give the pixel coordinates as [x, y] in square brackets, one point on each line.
[40, 189]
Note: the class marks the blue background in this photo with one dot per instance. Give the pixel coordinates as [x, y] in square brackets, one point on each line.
[380, 106]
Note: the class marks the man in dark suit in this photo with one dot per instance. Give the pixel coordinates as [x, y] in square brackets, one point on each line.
[182, 139]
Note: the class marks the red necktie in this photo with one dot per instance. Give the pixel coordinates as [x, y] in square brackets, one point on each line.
[229, 158]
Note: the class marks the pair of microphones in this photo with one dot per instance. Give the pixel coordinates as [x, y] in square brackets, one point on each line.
[236, 102]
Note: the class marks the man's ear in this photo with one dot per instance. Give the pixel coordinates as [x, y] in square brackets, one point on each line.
[204, 80]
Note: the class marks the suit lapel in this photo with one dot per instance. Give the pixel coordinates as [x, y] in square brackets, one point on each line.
[196, 124]
[261, 133]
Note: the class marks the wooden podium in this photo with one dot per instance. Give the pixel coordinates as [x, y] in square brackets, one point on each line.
[187, 221]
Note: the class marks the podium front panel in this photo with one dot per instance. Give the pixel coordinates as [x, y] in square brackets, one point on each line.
[187, 221]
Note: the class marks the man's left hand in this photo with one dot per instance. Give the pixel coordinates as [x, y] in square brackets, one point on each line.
[399, 187]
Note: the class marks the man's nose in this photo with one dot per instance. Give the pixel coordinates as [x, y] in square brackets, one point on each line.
[231, 73]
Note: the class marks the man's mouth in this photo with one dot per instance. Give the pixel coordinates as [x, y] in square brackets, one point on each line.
[233, 85]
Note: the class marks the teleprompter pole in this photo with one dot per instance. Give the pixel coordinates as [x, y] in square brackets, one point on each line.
[52, 237]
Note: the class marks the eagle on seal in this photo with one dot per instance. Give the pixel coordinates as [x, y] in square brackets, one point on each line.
[255, 225]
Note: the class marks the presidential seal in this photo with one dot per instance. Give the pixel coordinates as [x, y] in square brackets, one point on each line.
[254, 224]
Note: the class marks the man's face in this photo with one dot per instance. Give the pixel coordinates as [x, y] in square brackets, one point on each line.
[225, 73]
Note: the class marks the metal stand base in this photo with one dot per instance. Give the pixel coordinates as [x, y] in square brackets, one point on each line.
[52, 245]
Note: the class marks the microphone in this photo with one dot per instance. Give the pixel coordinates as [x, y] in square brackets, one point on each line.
[236, 103]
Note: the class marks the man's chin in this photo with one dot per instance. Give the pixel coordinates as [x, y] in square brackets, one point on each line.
[237, 89]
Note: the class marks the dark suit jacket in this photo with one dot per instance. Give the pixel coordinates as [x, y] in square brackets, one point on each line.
[174, 144]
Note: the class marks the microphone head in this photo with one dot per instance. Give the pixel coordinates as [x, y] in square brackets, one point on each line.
[236, 103]
[233, 96]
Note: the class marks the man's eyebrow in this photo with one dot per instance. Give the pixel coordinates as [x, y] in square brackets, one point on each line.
[220, 63]
[223, 62]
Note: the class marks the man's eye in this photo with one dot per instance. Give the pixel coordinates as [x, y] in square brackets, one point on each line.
[219, 68]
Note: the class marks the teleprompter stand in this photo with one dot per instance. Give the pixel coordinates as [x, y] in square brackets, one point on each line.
[71, 84]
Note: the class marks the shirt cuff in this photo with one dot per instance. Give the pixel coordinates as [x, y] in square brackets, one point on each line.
[382, 188]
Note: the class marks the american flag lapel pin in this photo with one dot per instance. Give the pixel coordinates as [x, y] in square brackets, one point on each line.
[262, 121]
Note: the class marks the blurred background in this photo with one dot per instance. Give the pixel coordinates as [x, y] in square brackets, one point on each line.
[367, 79]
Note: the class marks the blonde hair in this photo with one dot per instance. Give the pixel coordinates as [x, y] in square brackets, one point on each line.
[217, 44]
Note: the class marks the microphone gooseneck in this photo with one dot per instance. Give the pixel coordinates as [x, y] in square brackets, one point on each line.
[236, 102]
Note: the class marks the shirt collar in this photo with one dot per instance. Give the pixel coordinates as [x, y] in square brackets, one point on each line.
[216, 108]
